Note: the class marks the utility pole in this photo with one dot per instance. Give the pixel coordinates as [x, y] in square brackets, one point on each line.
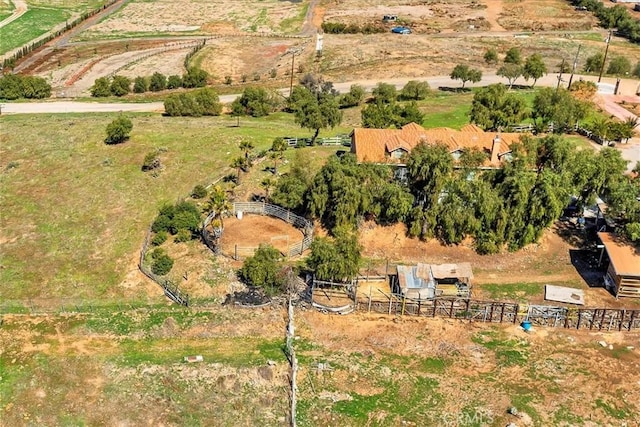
[606, 50]
[575, 64]
[560, 75]
[293, 56]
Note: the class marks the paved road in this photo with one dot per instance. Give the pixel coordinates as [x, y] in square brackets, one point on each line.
[21, 9]
[627, 88]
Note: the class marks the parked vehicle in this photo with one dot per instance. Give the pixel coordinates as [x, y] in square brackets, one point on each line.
[401, 30]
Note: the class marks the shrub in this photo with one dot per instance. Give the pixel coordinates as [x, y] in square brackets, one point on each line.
[161, 224]
[101, 87]
[158, 82]
[228, 80]
[197, 103]
[118, 130]
[159, 238]
[264, 269]
[194, 77]
[162, 263]
[140, 84]
[182, 236]
[174, 82]
[199, 192]
[120, 85]
[15, 86]
[151, 161]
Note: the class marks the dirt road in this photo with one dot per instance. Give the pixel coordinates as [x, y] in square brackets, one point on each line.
[627, 88]
[21, 9]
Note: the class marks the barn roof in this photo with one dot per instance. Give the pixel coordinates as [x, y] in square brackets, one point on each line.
[374, 145]
[624, 256]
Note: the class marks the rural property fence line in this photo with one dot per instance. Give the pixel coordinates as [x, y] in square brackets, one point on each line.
[170, 288]
[505, 312]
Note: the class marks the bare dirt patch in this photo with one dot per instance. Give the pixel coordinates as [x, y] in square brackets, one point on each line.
[544, 15]
[253, 230]
[167, 16]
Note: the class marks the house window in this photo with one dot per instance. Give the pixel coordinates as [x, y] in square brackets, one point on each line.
[398, 153]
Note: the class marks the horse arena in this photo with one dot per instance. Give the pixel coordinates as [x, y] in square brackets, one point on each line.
[253, 223]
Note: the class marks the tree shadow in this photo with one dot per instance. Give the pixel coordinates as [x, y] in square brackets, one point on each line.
[585, 261]
[454, 89]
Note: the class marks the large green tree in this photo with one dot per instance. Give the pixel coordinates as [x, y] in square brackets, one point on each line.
[337, 259]
[494, 108]
[534, 68]
[317, 111]
[465, 74]
[265, 270]
[559, 107]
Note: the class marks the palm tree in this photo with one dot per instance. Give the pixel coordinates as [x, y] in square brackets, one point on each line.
[219, 202]
[277, 148]
[238, 164]
[629, 126]
[267, 183]
[246, 147]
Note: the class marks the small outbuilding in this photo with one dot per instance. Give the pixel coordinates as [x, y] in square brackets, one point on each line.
[428, 281]
[623, 274]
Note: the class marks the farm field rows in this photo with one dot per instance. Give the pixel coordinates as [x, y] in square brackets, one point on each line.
[41, 17]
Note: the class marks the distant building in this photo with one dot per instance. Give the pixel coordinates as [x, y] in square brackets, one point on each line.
[390, 146]
[623, 273]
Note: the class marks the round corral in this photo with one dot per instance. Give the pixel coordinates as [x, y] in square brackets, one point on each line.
[241, 237]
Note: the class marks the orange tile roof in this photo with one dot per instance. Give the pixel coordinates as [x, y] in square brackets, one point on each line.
[375, 145]
[624, 256]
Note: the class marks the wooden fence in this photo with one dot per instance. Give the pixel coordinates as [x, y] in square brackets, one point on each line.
[600, 319]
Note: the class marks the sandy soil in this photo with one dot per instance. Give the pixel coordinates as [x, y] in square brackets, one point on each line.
[253, 230]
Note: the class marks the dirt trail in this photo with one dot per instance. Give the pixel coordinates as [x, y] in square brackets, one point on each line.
[21, 9]
[494, 9]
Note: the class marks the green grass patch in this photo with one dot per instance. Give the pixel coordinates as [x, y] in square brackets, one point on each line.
[98, 202]
[236, 352]
[612, 410]
[563, 416]
[294, 24]
[126, 322]
[34, 23]
[509, 352]
[415, 401]
[520, 291]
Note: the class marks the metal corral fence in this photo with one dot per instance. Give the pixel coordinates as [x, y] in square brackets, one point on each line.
[212, 235]
[343, 140]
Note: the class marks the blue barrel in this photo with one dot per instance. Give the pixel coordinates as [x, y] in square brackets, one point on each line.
[526, 325]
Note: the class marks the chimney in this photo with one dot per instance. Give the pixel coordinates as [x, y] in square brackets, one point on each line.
[495, 150]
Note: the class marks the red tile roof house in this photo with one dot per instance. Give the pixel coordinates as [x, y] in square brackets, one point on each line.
[389, 146]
